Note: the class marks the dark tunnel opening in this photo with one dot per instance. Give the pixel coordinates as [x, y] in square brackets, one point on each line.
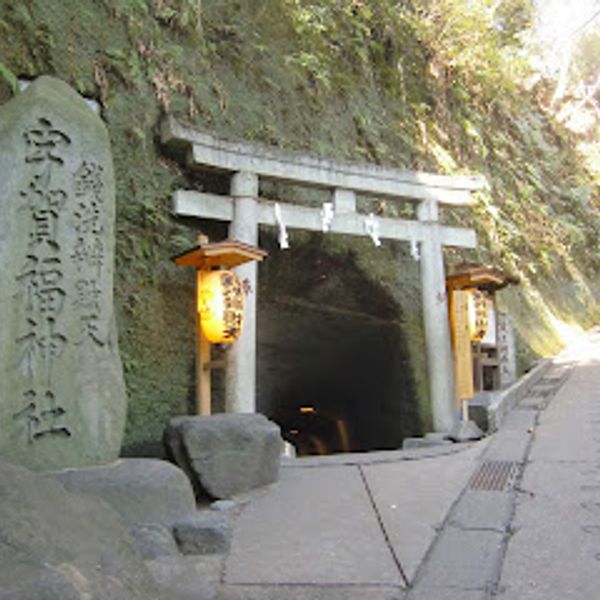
[335, 377]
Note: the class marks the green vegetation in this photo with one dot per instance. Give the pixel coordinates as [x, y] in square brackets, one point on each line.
[426, 84]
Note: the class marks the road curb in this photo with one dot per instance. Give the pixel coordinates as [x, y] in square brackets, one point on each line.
[506, 400]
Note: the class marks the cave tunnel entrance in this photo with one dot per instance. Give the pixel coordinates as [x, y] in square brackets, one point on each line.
[333, 362]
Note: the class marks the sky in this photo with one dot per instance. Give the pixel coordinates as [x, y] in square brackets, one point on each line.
[559, 24]
[559, 20]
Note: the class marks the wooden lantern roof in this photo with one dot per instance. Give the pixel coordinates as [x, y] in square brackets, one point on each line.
[228, 253]
[483, 277]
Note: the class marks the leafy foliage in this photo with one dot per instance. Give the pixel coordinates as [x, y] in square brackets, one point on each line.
[426, 84]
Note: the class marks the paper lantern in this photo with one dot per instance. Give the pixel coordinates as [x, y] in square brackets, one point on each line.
[478, 315]
[221, 306]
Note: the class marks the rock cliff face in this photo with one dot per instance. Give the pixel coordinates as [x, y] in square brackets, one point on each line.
[366, 81]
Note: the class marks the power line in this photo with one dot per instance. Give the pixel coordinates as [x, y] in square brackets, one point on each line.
[585, 23]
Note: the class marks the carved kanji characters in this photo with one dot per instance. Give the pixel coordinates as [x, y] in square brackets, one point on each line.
[41, 418]
[45, 143]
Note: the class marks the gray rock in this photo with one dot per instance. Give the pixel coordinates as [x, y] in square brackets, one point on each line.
[61, 381]
[188, 577]
[142, 490]
[226, 454]
[203, 533]
[465, 431]
[154, 541]
[56, 544]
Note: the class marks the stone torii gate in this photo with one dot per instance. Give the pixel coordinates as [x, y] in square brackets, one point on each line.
[245, 211]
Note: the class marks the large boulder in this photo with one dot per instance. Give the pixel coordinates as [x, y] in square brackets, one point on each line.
[61, 379]
[141, 490]
[225, 454]
[59, 545]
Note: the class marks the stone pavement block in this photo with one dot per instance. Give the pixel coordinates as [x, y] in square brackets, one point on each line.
[447, 593]
[414, 497]
[317, 526]
[483, 510]
[311, 592]
[533, 404]
[509, 445]
[518, 420]
[467, 559]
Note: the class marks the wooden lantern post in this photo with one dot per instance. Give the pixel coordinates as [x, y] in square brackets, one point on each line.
[205, 257]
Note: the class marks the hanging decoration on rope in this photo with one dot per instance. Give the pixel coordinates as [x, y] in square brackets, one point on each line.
[414, 250]
[372, 229]
[284, 243]
[327, 215]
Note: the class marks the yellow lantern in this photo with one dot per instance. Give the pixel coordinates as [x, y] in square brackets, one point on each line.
[221, 306]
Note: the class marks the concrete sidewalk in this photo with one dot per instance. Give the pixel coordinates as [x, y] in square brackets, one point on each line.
[424, 524]
[349, 520]
[355, 526]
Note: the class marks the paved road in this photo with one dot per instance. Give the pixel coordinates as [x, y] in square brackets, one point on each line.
[516, 517]
[527, 527]
[554, 549]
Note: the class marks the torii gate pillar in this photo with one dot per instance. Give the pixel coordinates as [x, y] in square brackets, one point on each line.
[435, 320]
[240, 372]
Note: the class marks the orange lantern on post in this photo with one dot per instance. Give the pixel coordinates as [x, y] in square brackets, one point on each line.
[219, 300]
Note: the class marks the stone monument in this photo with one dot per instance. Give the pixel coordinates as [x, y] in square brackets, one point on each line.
[62, 394]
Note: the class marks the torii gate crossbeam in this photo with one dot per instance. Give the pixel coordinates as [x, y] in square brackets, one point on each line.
[243, 209]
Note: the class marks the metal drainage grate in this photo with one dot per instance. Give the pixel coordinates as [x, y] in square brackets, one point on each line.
[495, 475]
